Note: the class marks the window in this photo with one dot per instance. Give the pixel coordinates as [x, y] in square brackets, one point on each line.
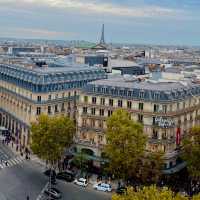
[110, 102]
[94, 100]
[56, 96]
[183, 105]
[39, 98]
[119, 103]
[164, 108]
[155, 134]
[38, 112]
[185, 118]
[178, 106]
[49, 97]
[154, 121]
[102, 101]
[156, 96]
[141, 105]
[56, 108]
[93, 111]
[164, 135]
[29, 109]
[129, 104]
[100, 138]
[84, 122]
[86, 99]
[101, 112]
[156, 108]
[63, 95]
[129, 93]
[100, 124]
[49, 109]
[189, 102]
[140, 118]
[84, 110]
[92, 123]
[171, 107]
[62, 107]
[141, 95]
[69, 94]
[110, 113]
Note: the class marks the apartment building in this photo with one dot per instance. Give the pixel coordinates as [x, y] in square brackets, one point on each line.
[26, 91]
[167, 105]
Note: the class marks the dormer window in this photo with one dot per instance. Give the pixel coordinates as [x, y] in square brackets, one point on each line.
[141, 95]
[129, 93]
[121, 92]
[156, 96]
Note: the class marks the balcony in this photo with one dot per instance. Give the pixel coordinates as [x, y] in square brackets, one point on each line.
[161, 140]
[146, 112]
[88, 143]
[89, 128]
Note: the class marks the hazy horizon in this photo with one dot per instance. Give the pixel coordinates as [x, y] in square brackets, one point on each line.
[155, 22]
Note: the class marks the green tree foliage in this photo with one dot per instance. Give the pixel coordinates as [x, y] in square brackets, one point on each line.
[51, 136]
[125, 144]
[151, 193]
[149, 168]
[191, 152]
[81, 161]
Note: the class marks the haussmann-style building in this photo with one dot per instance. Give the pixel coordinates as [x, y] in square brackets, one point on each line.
[27, 90]
[167, 105]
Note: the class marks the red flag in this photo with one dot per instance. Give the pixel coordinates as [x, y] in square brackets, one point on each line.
[178, 136]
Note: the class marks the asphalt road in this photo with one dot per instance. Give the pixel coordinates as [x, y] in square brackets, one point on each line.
[20, 180]
[75, 192]
[27, 178]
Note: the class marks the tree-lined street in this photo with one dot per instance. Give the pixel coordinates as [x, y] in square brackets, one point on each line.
[27, 178]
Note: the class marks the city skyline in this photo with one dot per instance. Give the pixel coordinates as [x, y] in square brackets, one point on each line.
[141, 22]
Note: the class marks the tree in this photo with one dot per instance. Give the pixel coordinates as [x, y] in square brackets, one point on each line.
[51, 136]
[191, 152]
[151, 193]
[149, 168]
[125, 144]
[81, 161]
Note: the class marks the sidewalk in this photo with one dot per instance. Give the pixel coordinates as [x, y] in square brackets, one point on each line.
[92, 180]
[13, 148]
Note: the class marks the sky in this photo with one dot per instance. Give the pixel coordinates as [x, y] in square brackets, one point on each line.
[165, 22]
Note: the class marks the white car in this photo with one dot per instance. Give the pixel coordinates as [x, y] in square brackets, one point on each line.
[103, 187]
[81, 181]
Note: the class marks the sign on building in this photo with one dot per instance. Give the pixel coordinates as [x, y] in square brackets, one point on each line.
[164, 122]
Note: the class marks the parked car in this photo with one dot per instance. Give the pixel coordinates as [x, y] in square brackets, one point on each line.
[53, 193]
[103, 187]
[121, 190]
[70, 172]
[65, 176]
[81, 181]
[49, 171]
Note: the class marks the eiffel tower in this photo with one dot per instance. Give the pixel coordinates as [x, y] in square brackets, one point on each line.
[102, 41]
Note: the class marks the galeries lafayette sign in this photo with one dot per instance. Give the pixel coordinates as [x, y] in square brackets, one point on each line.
[164, 122]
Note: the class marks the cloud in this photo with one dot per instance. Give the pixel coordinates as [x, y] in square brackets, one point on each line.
[35, 33]
[95, 7]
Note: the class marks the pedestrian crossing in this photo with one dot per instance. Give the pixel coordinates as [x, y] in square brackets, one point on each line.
[11, 162]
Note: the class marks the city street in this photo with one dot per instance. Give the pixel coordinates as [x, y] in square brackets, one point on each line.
[20, 179]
